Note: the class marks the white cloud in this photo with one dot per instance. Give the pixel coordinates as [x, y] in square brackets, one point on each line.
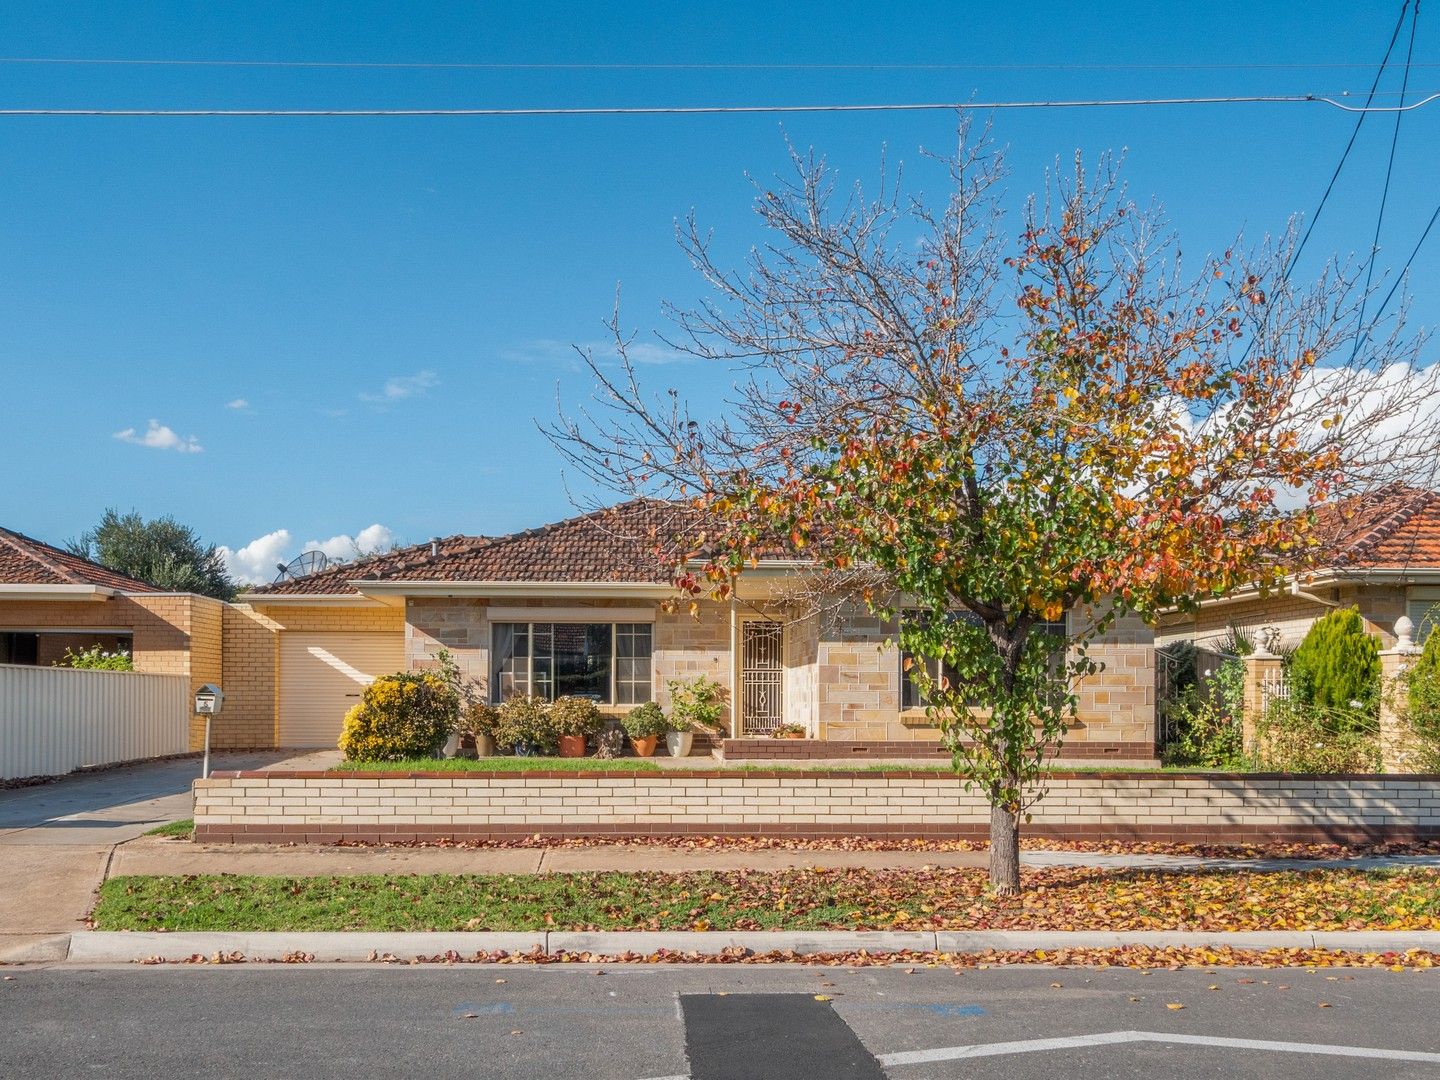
[255, 563]
[555, 351]
[370, 539]
[159, 436]
[238, 403]
[258, 562]
[401, 387]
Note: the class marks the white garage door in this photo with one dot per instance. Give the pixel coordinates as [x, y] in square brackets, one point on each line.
[322, 676]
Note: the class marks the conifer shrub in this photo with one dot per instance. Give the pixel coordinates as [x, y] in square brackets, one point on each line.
[1336, 669]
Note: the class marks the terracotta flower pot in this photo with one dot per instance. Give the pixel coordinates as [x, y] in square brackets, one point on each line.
[572, 745]
[678, 743]
[645, 745]
[793, 735]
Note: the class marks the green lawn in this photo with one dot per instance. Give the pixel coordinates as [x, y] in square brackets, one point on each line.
[501, 764]
[182, 829]
[1076, 898]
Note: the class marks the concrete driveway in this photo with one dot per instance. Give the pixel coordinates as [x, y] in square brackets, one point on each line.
[56, 839]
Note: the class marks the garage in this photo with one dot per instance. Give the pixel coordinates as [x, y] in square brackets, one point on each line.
[322, 675]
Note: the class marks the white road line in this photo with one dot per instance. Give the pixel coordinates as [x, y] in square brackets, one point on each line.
[1025, 1046]
[1110, 1038]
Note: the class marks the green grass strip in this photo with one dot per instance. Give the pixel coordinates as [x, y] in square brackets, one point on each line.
[1078, 898]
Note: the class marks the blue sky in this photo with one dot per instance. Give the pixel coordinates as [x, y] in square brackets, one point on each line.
[393, 301]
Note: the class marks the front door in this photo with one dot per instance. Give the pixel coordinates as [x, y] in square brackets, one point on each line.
[762, 676]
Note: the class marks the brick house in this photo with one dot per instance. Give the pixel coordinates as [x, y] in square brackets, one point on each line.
[578, 607]
[1383, 558]
[51, 601]
[574, 607]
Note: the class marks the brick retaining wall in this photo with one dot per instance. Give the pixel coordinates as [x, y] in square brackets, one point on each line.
[319, 807]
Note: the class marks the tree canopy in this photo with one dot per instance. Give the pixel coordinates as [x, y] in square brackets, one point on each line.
[162, 552]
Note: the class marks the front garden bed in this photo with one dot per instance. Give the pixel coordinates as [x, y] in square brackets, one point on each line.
[1068, 898]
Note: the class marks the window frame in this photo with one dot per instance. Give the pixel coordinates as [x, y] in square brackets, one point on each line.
[613, 682]
[938, 670]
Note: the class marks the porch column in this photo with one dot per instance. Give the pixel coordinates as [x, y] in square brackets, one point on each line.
[1396, 738]
[1264, 672]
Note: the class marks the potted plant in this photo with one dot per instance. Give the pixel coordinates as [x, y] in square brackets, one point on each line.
[696, 705]
[645, 724]
[478, 726]
[574, 720]
[524, 726]
[789, 731]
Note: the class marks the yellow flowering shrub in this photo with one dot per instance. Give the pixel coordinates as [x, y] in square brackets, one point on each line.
[407, 715]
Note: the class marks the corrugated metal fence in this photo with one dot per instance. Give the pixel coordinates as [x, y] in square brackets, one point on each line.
[56, 720]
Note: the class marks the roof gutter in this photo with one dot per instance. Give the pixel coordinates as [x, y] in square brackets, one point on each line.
[1292, 584]
[572, 589]
[55, 592]
[348, 600]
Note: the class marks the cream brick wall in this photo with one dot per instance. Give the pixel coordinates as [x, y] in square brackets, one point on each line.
[237, 806]
[1379, 605]
[171, 633]
[251, 661]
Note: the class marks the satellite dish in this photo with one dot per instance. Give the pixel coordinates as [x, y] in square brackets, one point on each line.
[303, 565]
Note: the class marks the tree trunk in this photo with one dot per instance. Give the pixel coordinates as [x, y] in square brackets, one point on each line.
[1004, 851]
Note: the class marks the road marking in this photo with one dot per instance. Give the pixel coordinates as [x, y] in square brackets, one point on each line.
[1112, 1038]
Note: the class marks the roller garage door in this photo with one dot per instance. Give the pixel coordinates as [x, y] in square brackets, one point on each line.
[322, 676]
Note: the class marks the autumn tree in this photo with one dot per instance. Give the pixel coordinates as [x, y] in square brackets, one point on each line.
[996, 429]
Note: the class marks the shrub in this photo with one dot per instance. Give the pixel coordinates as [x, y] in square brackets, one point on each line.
[97, 659]
[696, 705]
[1337, 667]
[478, 718]
[1203, 723]
[407, 715]
[575, 716]
[645, 721]
[1294, 737]
[524, 725]
[1422, 687]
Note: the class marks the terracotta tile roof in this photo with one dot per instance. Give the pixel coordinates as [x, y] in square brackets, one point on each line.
[622, 543]
[27, 561]
[1396, 528]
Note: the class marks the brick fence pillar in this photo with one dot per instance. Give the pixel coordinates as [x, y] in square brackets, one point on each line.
[1262, 668]
[1396, 739]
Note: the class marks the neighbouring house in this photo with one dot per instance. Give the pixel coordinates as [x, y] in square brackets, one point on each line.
[52, 601]
[1382, 557]
[579, 607]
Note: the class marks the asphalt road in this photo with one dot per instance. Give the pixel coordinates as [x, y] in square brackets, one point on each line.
[650, 1022]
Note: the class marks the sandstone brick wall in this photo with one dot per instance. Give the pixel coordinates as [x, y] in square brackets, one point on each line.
[325, 807]
[859, 686]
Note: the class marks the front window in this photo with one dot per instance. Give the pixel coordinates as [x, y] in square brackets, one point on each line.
[912, 697]
[608, 663]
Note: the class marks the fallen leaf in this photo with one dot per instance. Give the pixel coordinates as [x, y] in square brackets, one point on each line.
[1174, 1005]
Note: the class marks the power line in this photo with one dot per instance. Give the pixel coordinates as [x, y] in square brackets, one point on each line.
[705, 110]
[486, 66]
[1344, 156]
[1406, 268]
[1389, 170]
